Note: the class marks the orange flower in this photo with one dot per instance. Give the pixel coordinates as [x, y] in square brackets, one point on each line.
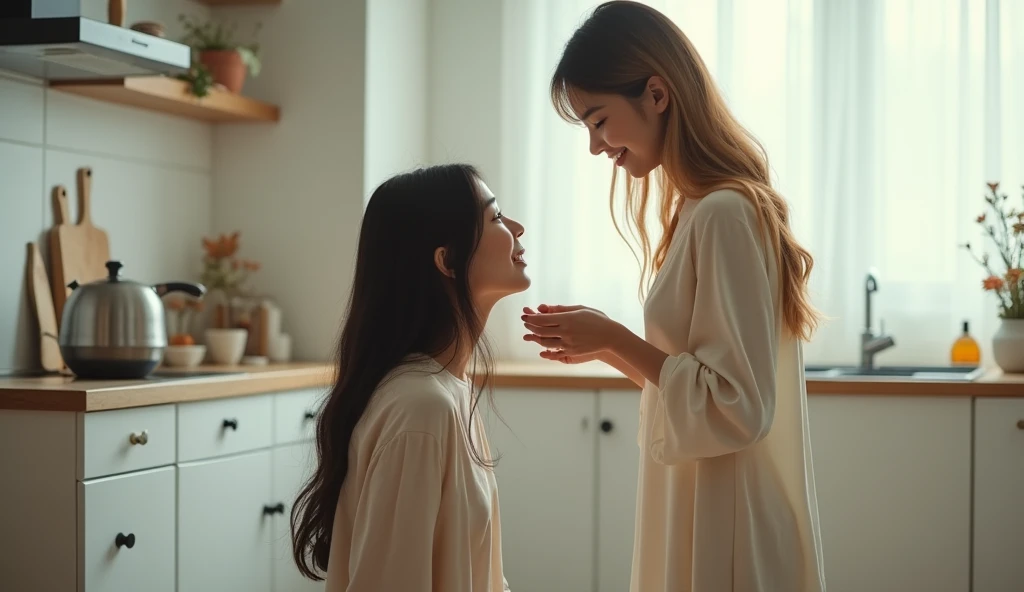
[223, 246]
[1013, 276]
[993, 283]
[993, 186]
[980, 218]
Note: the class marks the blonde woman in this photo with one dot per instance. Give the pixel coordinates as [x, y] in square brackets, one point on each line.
[726, 498]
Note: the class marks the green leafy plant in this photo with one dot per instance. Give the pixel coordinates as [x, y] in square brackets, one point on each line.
[199, 78]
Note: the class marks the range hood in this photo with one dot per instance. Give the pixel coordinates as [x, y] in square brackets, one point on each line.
[49, 39]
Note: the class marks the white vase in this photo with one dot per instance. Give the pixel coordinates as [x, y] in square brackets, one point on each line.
[1008, 345]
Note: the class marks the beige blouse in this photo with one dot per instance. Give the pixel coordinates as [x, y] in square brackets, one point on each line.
[416, 514]
[726, 499]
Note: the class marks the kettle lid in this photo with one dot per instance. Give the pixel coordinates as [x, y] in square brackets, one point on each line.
[113, 276]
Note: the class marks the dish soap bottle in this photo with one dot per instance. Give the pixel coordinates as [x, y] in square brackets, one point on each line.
[965, 351]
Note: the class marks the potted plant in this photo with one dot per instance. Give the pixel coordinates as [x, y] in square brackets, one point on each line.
[1005, 228]
[218, 58]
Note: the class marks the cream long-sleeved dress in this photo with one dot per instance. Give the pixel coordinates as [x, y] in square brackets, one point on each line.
[726, 498]
[415, 513]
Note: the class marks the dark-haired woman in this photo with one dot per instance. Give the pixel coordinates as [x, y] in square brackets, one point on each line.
[403, 497]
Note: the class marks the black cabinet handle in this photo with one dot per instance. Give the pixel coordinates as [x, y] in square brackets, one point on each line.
[310, 415]
[271, 510]
[123, 540]
[607, 426]
[231, 423]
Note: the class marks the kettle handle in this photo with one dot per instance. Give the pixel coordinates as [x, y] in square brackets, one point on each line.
[196, 290]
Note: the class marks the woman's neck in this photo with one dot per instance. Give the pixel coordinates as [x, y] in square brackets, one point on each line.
[457, 356]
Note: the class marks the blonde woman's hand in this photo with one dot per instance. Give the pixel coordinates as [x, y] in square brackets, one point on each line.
[570, 334]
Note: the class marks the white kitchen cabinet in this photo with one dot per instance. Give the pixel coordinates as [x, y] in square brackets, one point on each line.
[126, 528]
[893, 478]
[998, 494]
[224, 524]
[546, 487]
[292, 465]
[618, 467]
[192, 496]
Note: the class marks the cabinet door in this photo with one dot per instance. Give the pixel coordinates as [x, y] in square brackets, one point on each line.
[127, 532]
[225, 518]
[893, 480]
[546, 487]
[998, 495]
[292, 466]
[618, 468]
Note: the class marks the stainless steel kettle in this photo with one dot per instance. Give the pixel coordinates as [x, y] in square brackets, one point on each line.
[115, 328]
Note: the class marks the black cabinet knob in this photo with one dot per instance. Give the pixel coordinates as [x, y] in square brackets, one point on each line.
[231, 423]
[123, 540]
[310, 415]
[271, 510]
[607, 426]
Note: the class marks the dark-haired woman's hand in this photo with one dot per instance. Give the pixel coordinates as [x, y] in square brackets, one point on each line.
[571, 334]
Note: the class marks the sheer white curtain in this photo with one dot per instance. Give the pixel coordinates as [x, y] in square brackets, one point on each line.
[883, 121]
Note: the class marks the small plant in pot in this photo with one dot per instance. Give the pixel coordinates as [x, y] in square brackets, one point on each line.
[217, 57]
[1004, 225]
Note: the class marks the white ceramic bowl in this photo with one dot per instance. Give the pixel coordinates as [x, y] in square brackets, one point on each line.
[226, 345]
[184, 356]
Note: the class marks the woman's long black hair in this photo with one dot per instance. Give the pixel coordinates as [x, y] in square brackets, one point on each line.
[400, 304]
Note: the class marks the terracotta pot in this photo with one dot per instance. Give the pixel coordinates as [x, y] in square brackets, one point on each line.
[226, 67]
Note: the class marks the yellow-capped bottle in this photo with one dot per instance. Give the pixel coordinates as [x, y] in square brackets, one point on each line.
[965, 351]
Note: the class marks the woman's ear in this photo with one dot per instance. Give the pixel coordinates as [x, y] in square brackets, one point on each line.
[441, 261]
[659, 93]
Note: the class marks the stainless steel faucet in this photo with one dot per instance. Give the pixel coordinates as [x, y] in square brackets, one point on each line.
[871, 344]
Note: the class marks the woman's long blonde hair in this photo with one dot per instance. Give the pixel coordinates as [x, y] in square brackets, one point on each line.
[616, 51]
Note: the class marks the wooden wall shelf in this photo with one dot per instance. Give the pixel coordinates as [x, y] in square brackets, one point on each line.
[169, 95]
[239, 2]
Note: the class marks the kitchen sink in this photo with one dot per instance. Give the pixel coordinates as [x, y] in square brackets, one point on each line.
[930, 373]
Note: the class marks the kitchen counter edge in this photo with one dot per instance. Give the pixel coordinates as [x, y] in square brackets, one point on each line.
[65, 393]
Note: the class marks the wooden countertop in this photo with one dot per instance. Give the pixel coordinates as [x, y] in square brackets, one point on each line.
[66, 393]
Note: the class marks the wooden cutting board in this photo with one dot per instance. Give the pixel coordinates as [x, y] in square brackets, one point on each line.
[39, 290]
[79, 251]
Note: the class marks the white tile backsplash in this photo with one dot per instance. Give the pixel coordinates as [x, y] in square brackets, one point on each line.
[94, 127]
[154, 216]
[21, 178]
[21, 111]
[151, 192]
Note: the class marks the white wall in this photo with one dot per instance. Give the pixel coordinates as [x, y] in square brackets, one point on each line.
[151, 183]
[465, 108]
[397, 101]
[294, 189]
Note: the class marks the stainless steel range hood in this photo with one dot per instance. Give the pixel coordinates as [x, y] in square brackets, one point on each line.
[49, 39]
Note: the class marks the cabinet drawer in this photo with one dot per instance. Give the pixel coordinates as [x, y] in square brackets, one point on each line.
[127, 532]
[295, 415]
[224, 426]
[126, 440]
